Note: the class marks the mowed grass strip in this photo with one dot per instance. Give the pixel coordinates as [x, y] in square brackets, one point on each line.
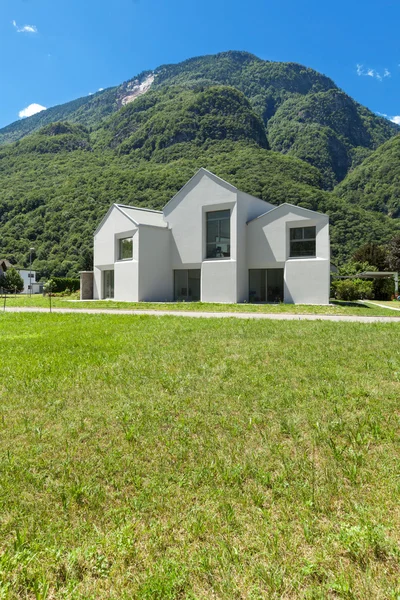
[162, 458]
[336, 308]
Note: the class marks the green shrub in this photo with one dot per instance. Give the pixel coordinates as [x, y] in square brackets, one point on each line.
[352, 289]
[66, 283]
[11, 281]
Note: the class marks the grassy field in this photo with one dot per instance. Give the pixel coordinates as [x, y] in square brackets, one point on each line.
[166, 458]
[390, 304]
[336, 308]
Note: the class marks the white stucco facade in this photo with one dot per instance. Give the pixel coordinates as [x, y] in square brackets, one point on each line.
[213, 243]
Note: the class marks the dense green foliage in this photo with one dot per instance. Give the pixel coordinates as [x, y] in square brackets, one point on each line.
[375, 184]
[65, 283]
[11, 281]
[219, 112]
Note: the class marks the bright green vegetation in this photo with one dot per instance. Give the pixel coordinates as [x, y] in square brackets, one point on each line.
[164, 458]
[375, 184]
[389, 303]
[279, 131]
[336, 308]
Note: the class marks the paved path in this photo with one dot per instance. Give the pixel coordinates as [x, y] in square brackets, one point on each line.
[210, 315]
[380, 305]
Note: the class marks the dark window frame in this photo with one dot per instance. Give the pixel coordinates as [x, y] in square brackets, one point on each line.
[216, 250]
[120, 249]
[302, 243]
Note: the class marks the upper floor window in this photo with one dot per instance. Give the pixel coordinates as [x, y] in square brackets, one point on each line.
[218, 234]
[302, 241]
[125, 249]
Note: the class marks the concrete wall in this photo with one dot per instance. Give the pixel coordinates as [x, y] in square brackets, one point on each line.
[219, 281]
[268, 246]
[106, 244]
[86, 287]
[186, 215]
[307, 281]
[155, 272]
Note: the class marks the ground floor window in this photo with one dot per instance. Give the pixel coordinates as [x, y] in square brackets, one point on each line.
[187, 285]
[266, 285]
[108, 284]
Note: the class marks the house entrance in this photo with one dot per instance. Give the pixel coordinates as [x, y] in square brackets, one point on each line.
[266, 285]
[187, 285]
[108, 284]
[275, 289]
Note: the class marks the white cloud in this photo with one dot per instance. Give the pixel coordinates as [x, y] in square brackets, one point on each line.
[25, 28]
[100, 89]
[30, 110]
[362, 72]
[396, 120]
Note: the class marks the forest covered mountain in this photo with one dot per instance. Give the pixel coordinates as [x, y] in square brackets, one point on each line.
[280, 131]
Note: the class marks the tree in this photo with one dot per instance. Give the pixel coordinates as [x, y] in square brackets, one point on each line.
[11, 281]
[394, 254]
[373, 254]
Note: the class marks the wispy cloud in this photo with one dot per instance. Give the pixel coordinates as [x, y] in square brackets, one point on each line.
[30, 110]
[396, 120]
[25, 28]
[368, 72]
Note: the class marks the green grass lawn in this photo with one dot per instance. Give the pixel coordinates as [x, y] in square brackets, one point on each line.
[167, 458]
[335, 308]
[390, 304]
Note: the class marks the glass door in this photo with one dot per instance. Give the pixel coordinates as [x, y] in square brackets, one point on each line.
[257, 291]
[108, 284]
[187, 285]
[275, 288]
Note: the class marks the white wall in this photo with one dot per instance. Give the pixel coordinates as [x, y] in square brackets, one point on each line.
[307, 281]
[155, 272]
[268, 246]
[25, 277]
[185, 215]
[218, 281]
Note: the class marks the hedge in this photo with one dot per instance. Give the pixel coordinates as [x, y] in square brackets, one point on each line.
[62, 283]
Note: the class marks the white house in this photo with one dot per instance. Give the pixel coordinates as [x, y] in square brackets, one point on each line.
[29, 279]
[213, 243]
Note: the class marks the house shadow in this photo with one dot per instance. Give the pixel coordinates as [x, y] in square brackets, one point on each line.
[349, 304]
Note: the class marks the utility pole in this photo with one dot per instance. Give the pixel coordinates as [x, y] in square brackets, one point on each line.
[30, 271]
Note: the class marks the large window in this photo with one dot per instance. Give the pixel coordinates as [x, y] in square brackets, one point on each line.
[218, 234]
[187, 285]
[302, 241]
[125, 249]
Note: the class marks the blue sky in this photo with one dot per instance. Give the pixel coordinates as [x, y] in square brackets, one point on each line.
[55, 51]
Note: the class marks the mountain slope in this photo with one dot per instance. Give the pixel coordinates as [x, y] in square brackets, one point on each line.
[304, 112]
[56, 185]
[375, 184]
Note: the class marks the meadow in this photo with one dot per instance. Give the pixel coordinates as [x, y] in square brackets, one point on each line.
[161, 458]
[335, 308]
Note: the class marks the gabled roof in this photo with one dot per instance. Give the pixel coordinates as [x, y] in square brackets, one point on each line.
[202, 171]
[138, 216]
[300, 208]
[5, 264]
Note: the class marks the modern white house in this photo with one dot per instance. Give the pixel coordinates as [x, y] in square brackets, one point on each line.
[212, 243]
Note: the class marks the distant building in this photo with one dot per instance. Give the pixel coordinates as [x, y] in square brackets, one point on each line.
[28, 277]
[212, 243]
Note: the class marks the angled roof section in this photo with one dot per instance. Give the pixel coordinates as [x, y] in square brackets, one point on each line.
[143, 216]
[298, 208]
[202, 171]
[137, 216]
